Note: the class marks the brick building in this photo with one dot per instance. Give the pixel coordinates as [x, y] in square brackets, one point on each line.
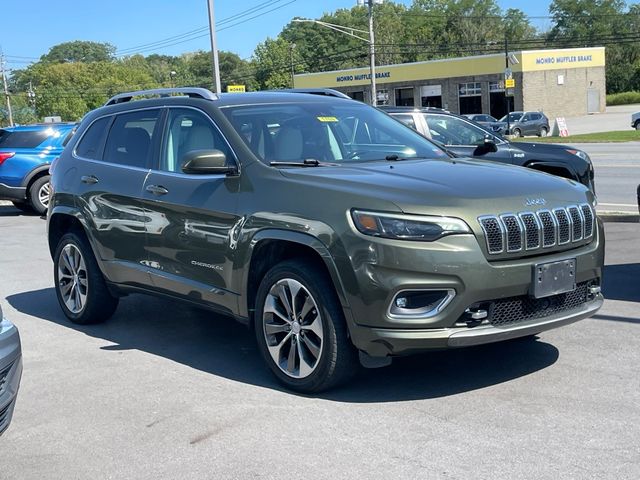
[562, 82]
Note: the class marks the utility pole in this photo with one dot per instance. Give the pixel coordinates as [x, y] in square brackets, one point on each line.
[214, 48]
[6, 90]
[372, 55]
[293, 71]
[506, 69]
[32, 96]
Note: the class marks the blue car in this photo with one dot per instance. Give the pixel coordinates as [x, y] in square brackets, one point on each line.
[26, 152]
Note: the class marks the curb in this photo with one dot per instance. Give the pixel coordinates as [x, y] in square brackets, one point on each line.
[619, 217]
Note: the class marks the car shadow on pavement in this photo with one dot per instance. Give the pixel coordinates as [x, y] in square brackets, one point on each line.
[622, 282]
[220, 346]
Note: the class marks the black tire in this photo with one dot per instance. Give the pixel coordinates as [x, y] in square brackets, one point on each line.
[517, 132]
[98, 304]
[338, 359]
[543, 132]
[23, 207]
[35, 194]
[637, 126]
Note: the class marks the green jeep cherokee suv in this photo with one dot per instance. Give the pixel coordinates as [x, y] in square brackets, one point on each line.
[337, 233]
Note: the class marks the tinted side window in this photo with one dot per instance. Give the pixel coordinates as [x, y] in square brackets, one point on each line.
[130, 138]
[454, 131]
[536, 116]
[90, 143]
[23, 139]
[407, 119]
[189, 130]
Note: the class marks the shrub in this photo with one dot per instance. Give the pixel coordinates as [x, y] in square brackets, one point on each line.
[623, 98]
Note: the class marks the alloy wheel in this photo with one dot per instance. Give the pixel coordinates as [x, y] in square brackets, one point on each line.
[43, 194]
[292, 327]
[72, 278]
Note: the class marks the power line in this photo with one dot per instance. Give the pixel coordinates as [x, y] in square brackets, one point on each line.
[198, 33]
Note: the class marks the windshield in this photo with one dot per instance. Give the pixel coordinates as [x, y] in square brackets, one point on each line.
[331, 132]
[513, 117]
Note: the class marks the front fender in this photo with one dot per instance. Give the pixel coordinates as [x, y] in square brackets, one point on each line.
[301, 238]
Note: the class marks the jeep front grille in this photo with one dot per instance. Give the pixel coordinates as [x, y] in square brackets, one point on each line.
[542, 229]
[3, 378]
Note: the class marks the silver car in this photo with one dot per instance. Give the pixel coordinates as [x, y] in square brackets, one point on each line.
[10, 370]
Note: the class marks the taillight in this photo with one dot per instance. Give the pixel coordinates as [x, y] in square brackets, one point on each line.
[5, 155]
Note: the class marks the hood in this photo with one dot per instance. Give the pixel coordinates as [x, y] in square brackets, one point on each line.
[459, 187]
[543, 147]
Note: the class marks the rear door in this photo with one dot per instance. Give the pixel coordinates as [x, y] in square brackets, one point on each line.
[191, 218]
[113, 158]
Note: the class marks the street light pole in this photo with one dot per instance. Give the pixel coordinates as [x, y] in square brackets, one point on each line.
[351, 32]
[293, 71]
[214, 47]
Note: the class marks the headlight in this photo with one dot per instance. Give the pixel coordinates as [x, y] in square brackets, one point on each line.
[407, 227]
[578, 153]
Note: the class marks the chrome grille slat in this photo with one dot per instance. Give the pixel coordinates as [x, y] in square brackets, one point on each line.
[577, 232]
[494, 234]
[549, 228]
[531, 230]
[564, 225]
[588, 216]
[515, 232]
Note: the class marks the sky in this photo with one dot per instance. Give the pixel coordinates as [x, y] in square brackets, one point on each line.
[31, 28]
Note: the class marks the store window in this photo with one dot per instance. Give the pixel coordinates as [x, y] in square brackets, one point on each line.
[470, 97]
[359, 95]
[431, 96]
[404, 97]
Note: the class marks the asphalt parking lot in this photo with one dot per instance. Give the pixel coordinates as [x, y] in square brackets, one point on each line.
[164, 391]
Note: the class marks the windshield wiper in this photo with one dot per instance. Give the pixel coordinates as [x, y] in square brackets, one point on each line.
[396, 158]
[307, 162]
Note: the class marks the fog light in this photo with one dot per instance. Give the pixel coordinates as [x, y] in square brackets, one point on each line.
[420, 303]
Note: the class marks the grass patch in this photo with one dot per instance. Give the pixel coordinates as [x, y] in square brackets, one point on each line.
[601, 137]
[623, 98]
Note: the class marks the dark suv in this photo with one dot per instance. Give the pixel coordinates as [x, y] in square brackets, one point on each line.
[331, 229]
[462, 136]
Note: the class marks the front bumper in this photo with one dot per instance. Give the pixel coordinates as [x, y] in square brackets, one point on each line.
[10, 371]
[384, 342]
[8, 192]
[457, 263]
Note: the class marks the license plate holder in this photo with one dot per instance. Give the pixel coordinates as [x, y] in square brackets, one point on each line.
[553, 278]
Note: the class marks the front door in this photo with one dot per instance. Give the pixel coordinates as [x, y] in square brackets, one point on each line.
[191, 218]
[464, 138]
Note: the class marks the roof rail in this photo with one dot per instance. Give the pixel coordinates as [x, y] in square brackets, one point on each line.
[193, 92]
[328, 92]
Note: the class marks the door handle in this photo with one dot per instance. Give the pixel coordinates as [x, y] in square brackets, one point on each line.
[157, 189]
[89, 179]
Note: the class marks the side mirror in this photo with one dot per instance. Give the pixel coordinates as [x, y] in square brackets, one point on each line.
[488, 146]
[203, 162]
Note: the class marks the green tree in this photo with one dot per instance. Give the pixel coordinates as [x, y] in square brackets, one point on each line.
[272, 63]
[79, 51]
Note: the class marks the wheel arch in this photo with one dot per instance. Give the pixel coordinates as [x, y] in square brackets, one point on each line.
[35, 174]
[63, 220]
[272, 246]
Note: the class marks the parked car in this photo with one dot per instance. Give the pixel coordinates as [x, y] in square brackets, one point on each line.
[526, 123]
[25, 155]
[10, 370]
[332, 230]
[488, 122]
[635, 120]
[462, 137]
